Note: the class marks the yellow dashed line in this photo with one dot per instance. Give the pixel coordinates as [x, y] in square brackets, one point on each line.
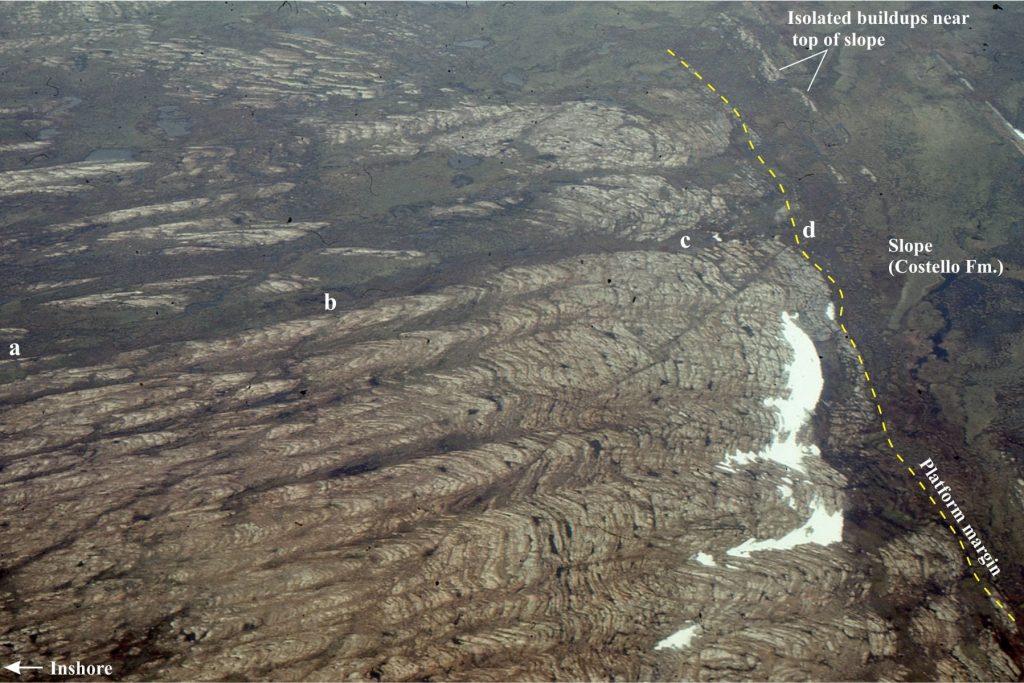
[842, 297]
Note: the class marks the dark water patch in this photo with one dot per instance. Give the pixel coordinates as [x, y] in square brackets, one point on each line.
[66, 105]
[111, 154]
[514, 78]
[200, 306]
[354, 470]
[977, 308]
[463, 161]
[939, 337]
[172, 122]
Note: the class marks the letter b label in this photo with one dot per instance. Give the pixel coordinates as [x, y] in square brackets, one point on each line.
[330, 303]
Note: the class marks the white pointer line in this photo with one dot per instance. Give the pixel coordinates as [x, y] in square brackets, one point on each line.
[823, 54]
[17, 667]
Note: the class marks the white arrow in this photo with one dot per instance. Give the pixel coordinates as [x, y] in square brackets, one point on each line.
[823, 54]
[17, 667]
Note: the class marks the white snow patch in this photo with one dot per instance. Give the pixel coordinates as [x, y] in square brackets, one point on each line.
[679, 639]
[830, 311]
[822, 527]
[786, 491]
[804, 383]
[716, 237]
[705, 559]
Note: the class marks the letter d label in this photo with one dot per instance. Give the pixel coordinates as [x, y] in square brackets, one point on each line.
[329, 302]
[809, 230]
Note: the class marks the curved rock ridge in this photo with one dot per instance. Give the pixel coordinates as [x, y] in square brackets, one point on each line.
[577, 136]
[510, 449]
[475, 481]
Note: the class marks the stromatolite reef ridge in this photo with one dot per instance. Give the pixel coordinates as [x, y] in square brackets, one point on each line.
[524, 445]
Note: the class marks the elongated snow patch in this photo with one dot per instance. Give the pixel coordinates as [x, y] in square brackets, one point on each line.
[804, 383]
